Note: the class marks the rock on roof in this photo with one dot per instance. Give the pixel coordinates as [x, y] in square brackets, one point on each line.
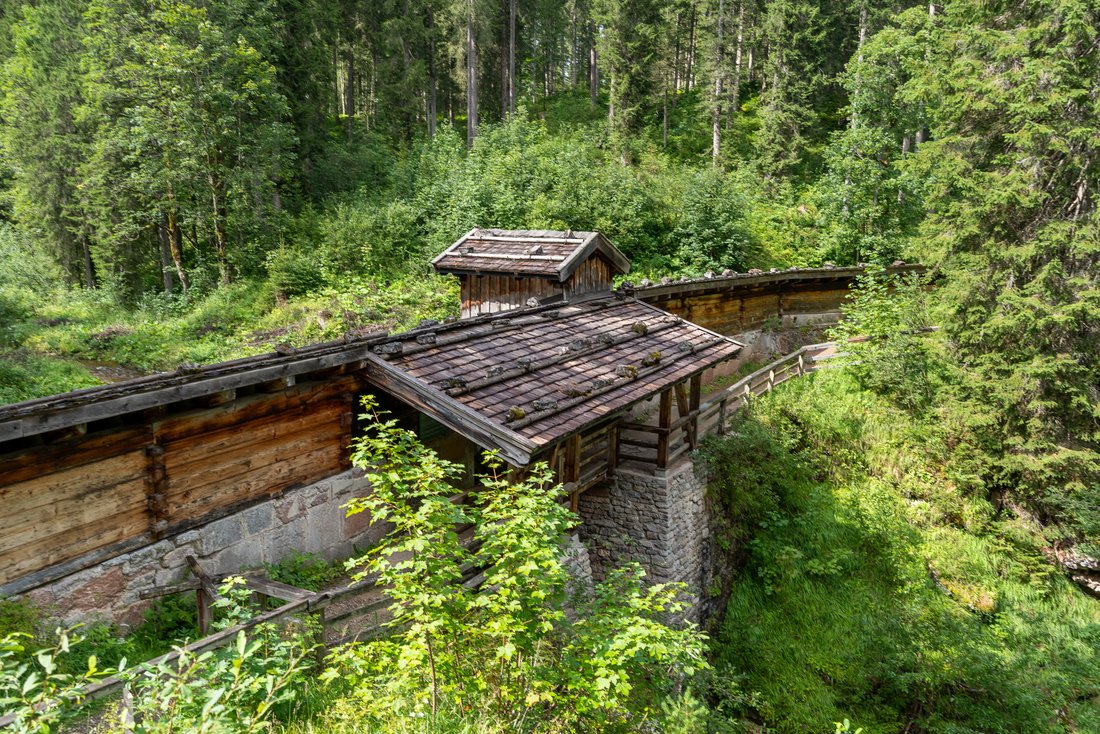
[545, 253]
[527, 379]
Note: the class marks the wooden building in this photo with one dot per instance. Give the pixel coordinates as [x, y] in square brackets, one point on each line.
[504, 269]
[96, 473]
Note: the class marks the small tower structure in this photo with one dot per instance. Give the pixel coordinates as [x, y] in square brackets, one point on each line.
[504, 269]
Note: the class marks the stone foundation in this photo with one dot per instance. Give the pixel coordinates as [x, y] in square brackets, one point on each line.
[309, 519]
[655, 517]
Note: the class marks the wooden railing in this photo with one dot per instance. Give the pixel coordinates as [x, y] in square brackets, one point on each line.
[716, 409]
[659, 446]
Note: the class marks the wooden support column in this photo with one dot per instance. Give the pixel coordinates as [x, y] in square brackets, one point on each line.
[206, 593]
[156, 500]
[664, 422]
[612, 449]
[695, 396]
[573, 470]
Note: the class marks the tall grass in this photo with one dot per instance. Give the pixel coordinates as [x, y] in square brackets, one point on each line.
[884, 592]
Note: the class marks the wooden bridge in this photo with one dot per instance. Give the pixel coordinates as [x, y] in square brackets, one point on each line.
[88, 476]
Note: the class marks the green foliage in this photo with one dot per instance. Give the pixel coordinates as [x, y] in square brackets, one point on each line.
[18, 616]
[33, 688]
[508, 650]
[304, 570]
[887, 594]
[236, 689]
[712, 233]
[882, 334]
[1017, 233]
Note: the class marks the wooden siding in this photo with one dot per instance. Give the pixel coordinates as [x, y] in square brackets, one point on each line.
[736, 310]
[592, 276]
[68, 499]
[485, 294]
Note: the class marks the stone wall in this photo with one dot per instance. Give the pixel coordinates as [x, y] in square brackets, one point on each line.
[309, 519]
[657, 518]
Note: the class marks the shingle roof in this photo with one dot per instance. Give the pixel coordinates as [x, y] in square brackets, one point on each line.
[539, 375]
[546, 253]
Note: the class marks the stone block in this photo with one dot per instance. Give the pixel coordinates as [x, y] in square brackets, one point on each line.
[237, 558]
[145, 558]
[219, 534]
[258, 518]
[187, 538]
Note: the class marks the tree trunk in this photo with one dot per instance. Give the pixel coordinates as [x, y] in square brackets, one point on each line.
[858, 82]
[574, 48]
[165, 255]
[690, 50]
[593, 67]
[175, 241]
[221, 240]
[719, 73]
[502, 59]
[511, 57]
[676, 53]
[432, 84]
[89, 267]
[664, 113]
[471, 79]
[735, 90]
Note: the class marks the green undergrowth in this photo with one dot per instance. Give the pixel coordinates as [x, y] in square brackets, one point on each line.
[871, 587]
[53, 337]
[169, 621]
[305, 570]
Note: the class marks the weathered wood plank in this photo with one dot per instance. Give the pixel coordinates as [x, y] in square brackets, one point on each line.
[35, 461]
[71, 543]
[304, 469]
[219, 446]
[71, 484]
[56, 518]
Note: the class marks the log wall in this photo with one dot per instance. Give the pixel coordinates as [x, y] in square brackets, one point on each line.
[94, 495]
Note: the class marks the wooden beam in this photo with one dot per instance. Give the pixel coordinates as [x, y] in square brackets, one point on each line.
[50, 414]
[514, 448]
[681, 399]
[665, 420]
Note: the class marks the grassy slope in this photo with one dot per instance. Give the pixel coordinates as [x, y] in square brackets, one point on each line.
[236, 321]
[874, 590]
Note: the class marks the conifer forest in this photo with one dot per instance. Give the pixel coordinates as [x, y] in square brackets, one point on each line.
[907, 543]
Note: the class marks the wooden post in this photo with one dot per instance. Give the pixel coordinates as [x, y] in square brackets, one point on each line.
[801, 366]
[682, 405]
[206, 614]
[695, 396]
[206, 594]
[612, 449]
[664, 422]
[155, 485]
[575, 458]
[771, 380]
[722, 417]
[322, 645]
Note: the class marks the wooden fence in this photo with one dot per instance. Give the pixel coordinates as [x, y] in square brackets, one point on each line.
[646, 443]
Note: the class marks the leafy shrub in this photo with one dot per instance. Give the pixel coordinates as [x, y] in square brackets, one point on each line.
[508, 650]
[712, 233]
[879, 594]
[304, 570]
